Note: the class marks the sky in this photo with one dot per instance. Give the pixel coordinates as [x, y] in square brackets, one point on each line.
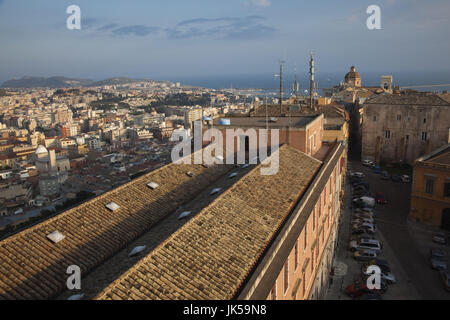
[165, 39]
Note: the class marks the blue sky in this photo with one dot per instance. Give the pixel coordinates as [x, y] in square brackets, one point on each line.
[165, 39]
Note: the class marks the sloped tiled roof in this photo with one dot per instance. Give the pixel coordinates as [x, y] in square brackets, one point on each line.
[32, 267]
[212, 255]
[420, 99]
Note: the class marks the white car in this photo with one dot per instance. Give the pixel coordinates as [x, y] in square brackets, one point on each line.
[368, 163]
[405, 178]
[365, 244]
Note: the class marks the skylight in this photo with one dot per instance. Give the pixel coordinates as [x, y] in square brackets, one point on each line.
[137, 250]
[152, 185]
[220, 158]
[245, 166]
[56, 236]
[234, 174]
[112, 206]
[76, 297]
[214, 191]
[189, 174]
[184, 215]
[205, 165]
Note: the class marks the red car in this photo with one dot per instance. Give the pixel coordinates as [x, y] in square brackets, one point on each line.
[380, 198]
[358, 289]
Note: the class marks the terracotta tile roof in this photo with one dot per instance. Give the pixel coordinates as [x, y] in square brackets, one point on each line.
[213, 254]
[329, 111]
[32, 267]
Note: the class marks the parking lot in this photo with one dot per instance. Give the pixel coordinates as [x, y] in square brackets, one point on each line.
[406, 244]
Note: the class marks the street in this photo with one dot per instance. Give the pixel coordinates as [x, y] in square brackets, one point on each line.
[406, 244]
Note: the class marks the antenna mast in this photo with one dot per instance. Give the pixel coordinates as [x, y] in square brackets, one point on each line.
[296, 85]
[311, 83]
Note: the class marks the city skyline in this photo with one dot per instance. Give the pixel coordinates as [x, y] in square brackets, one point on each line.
[163, 40]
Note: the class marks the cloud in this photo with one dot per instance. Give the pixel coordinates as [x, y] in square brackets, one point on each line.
[258, 3]
[136, 30]
[88, 23]
[222, 28]
[107, 27]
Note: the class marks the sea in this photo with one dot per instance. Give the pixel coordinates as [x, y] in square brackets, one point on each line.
[420, 81]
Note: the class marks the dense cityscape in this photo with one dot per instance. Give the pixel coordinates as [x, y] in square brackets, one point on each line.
[139, 188]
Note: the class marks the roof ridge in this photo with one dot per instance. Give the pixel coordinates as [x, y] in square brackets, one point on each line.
[200, 215]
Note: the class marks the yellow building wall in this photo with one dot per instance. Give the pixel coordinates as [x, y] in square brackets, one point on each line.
[425, 207]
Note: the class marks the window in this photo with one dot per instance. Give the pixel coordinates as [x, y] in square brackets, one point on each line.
[273, 292]
[296, 255]
[304, 284]
[407, 137]
[306, 234]
[429, 186]
[314, 219]
[286, 276]
[399, 117]
[424, 120]
[374, 118]
[387, 134]
[447, 189]
[424, 136]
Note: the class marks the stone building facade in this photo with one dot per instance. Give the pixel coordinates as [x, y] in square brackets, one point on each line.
[400, 128]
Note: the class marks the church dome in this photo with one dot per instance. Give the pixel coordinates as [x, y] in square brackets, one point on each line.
[353, 78]
[352, 75]
[41, 150]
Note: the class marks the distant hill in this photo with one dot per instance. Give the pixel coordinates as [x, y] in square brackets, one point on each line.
[63, 82]
[115, 81]
[40, 82]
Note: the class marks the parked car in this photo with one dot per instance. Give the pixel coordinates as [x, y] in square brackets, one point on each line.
[438, 263]
[382, 263]
[362, 216]
[364, 210]
[365, 244]
[367, 163]
[364, 202]
[377, 170]
[445, 276]
[440, 238]
[385, 175]
[361, 185]
[359, 288]
[364, 255]
[362, 220]
[388, 276]
[360, 232]
[405, 178]
[437, 252]
[396, 178]
[380, 198]
[369, 227]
